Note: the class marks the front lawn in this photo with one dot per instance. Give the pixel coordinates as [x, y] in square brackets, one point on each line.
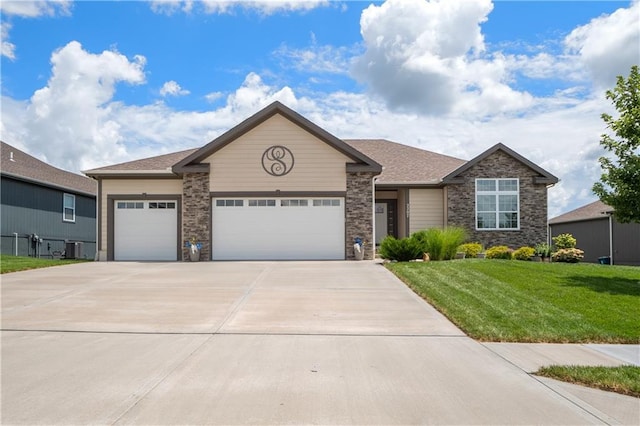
[516, 301]
[18, 263]
[624, 379]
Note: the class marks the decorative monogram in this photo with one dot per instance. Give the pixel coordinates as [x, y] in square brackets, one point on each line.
[277, 160]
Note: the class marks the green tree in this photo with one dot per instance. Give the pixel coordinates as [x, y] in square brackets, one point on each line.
[619, 185]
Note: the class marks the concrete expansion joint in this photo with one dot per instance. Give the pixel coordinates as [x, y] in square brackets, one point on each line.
[579, 403]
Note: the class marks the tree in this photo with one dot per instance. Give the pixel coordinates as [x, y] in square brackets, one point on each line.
[619, 185]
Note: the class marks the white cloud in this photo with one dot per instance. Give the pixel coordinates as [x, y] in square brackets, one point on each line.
[219, 7]
[8, 49]
[427, 56]
[33, 9]
[68, 121]
[317, 58]
[26, 9]
[172, 88]
[608, 45]
[213, 96]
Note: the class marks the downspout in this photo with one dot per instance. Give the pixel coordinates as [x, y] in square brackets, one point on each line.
[610, 239]
[15, 234]
[373, 215]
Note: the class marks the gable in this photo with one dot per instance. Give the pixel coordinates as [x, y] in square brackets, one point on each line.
[499, 161]
[310, 163]
[193, 162]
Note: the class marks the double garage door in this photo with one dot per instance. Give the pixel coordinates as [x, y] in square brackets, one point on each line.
[242, 229]
[278, 229]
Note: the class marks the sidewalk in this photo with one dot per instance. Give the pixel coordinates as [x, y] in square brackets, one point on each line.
[610, 407]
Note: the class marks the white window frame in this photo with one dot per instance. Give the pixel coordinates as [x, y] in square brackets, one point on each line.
[496, 194]
[66, 197]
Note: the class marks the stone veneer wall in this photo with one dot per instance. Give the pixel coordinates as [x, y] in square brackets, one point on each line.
[461, 203]
[359, 212]
[196, 213]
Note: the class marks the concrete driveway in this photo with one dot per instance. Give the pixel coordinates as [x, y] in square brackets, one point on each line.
[250, 343]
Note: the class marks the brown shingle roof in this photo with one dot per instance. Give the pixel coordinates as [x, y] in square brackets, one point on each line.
[160, 162]
[19, 164]
[595, 210]
[406, 164]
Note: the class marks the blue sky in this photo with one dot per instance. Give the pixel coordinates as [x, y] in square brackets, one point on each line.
[86, 84]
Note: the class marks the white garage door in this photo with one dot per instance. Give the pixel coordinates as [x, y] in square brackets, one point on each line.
[278, 229]
[145, 230]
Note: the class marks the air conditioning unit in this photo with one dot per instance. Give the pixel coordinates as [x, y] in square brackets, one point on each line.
[73, 250]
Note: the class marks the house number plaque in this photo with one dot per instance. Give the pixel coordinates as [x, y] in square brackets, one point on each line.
[277, 160]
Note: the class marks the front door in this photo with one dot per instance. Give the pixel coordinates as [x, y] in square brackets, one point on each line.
[382, 212]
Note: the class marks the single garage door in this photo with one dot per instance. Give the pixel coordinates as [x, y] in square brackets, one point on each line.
[278, 229]
[145, 230]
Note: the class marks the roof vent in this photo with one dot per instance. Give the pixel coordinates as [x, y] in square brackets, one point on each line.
[11, 156]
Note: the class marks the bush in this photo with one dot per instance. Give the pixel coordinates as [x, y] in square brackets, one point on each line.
[564, 241]
[470, 249]
[524, 253]
[401, 250]
[543, 250]
[498, 252]
[569, 255]
[441, 244]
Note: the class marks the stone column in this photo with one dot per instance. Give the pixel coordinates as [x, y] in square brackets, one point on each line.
[359, 212]
[196, 213]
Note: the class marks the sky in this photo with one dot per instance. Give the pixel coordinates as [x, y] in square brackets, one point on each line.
[87, 84]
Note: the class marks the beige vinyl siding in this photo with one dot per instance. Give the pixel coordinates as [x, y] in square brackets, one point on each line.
[426, 209]
[238, 166]
[133, 186]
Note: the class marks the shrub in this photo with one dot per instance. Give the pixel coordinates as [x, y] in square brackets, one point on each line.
[524, 253]
[498, 252]
[401, 250]
[543, 250]
[470, 249]
[441, 244]
[564, 241]
[569, 255]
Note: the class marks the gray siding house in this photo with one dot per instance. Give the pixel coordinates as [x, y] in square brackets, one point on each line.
[40, 200]
[599, 234]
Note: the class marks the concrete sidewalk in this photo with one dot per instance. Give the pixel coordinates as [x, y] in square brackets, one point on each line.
[264, 343]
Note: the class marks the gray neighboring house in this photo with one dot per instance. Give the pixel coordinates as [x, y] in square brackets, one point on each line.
[40, 200]
[599, 234]
[279, 187]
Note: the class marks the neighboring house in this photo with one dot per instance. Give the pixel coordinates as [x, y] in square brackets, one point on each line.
[40, 200]
[599, 234]
[277, 186]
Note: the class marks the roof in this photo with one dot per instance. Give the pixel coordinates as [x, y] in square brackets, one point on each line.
[543, 175]
[404, 164]
[160, 164]
[595, 210]
[361, 161]
[18, 164]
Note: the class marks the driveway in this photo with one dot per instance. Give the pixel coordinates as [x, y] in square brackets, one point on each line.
[250, 343]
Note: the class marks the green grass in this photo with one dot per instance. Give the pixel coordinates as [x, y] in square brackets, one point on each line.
[19, 263]
[515, 301]
[624, 379]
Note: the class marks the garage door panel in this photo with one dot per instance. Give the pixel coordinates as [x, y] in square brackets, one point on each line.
[144, 233]
[278, 232]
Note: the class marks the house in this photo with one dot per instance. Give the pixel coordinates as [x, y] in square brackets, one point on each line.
[43, 208]
[599, 234]
[277, 186]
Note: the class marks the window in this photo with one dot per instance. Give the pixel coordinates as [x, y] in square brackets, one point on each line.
[262, 203]
[69, 208]
[294, 203]
[162, 205]
[497, 204]
[130, 205]
[229, 203]
[326, 203]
